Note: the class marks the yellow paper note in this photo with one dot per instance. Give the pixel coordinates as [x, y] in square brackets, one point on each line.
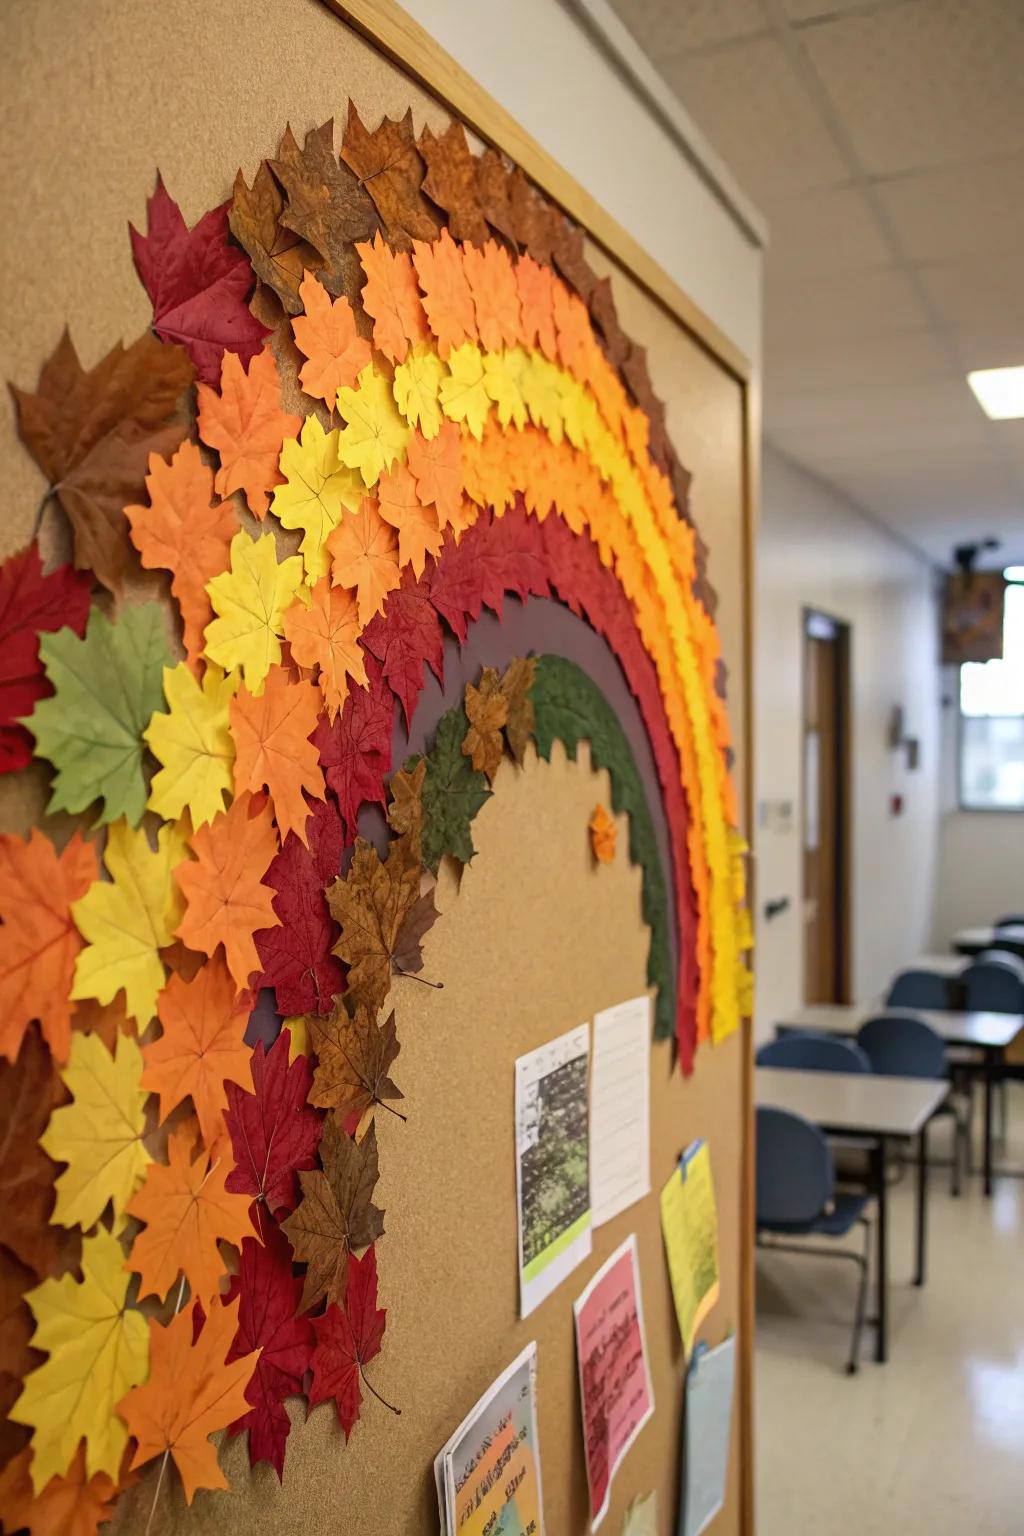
[689, 1225]
[642, 1516]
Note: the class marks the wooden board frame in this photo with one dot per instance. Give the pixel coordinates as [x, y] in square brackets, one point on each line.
[414, 51]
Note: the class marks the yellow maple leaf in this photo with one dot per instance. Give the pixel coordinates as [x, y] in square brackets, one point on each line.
[298, 1035]
[463, 393]
[99, 1134]
[249, 601]
[127, 919]
[193, 742]
[543, 396]
[317, 488]
[376, 434]
[417, 381]
[97, 1350]
[503, 381]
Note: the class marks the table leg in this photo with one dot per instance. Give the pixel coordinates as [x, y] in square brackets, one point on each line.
[882, 1335]
[922, 1204]
[989, 1085]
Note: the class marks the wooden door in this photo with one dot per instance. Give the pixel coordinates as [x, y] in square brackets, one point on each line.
[825, 778]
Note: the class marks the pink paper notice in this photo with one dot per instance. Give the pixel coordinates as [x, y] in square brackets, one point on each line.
[615, 1382]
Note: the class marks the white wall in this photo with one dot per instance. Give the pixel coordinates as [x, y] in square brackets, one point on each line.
[817, 550]
[540, 65]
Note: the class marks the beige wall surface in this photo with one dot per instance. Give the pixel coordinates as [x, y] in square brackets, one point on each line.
[816, 550]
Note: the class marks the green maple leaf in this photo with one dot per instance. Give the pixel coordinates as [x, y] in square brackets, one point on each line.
[106, 687]
[453, 792]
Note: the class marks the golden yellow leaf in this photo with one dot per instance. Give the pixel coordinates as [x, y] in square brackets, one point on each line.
[376, 434]
[193, 742]
[417, 382]
[249, 601]
[463, 393]
[317, 489]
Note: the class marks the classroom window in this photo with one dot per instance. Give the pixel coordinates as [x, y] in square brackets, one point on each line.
[992, 720]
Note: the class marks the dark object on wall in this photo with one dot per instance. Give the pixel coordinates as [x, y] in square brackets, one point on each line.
[972, 617]
[776, 908]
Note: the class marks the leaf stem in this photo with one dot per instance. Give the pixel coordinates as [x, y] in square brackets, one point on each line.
[159, 1483]
[438, 986]
[390, 1406]
[396, 1112]
[37, 522]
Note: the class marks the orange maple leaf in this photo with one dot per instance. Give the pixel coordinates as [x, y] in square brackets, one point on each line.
[186, 1211]
[272, 747]
[392, 298]
[364, 554]
[326, 334]
[325, 634]
[492, 281]
[184, 531]
[436, 466]
[246, 425]
[38, 939]
[603, 833]
[225, 901]
[202, 1045]
[536, 297]
[72, 1505]
[575, 337]
[447, 297]
[190, 1394]
[418, 532]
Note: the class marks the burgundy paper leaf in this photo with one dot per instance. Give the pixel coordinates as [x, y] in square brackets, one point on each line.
[198, 283]
[296, 957]
[268, 1320]
[274, 1131]
[346, 1338]
[355, 752]
[403, 638]
[31, 603]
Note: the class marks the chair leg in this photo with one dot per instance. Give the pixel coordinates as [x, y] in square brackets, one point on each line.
[853, 1363]
[1003, 1102]
[958, 1154]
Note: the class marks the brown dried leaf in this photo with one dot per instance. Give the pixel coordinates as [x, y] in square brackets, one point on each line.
[487, 712]
[278, 255]
[606, 318]
[638, 380]
[494, 191]
[405, 813]
[326, 205]
[567, 255]
[451, 182]
[390, 167]
[91, 433]
[370, 905]
[407, 958]
[29, 1089]
[533, 219]
[16, 1357]
[516, 682]
[355, 1056]
[335, 1214]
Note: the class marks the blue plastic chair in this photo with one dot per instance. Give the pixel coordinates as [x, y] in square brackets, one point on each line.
[1002, 956]
[899, 1045]
[796, 1196]
[806, 1051]
[993, 987]
[925, 989]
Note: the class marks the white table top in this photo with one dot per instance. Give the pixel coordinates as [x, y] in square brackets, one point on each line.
[956, 1026]
[982, 938]
[939, 965]
[861, 1102]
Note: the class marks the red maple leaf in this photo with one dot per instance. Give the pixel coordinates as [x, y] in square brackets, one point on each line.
[274, 1131]
[198, 283]
[29, 604]
[268, 1321]
[404, 637]
[355, 752]
[296, 957]
[346, 1338]
[495, 555]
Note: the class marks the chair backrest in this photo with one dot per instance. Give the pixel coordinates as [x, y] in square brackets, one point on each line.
[898, 1045]
[925, 989]
[795, 1179]
[993, 988]
[1003, 952]
[805, 1051]
[1009, 922]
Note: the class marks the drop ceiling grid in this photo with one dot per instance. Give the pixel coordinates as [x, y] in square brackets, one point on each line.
[884, 140]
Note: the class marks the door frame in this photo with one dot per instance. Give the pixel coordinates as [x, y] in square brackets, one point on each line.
[841, 632]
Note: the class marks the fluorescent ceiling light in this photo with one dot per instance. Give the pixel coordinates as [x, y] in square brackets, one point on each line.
[1014, 573]
[1000, 391]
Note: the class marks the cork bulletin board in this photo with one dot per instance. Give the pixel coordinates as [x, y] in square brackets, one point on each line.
[532, 939]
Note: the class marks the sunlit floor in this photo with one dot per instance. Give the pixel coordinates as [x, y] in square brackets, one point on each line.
[932, 1442]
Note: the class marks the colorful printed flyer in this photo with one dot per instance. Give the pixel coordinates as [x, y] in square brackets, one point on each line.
[552, 1164]
[689, 1224]
[620, 1108]
[615, 1381]
[488, 1473]
[708, 1422]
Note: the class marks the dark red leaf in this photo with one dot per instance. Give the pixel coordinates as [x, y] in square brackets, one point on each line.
[198, 283]
[355, 752]
[268, 1321]
[346, 1338]
[29, 604]
[404, 637]
[274, 1131]
[296, 957]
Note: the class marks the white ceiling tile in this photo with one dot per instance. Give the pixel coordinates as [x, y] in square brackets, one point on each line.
[873, 302]
[666, 27]
[926, 82]
[756, 113]
[957, 211]
[980, 293]
[858, 365]
[819, 233]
